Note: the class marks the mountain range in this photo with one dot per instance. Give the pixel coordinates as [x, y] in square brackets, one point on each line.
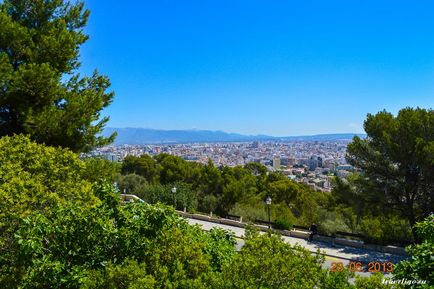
[137, 136]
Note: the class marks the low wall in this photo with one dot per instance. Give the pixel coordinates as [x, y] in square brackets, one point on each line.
[349, 243]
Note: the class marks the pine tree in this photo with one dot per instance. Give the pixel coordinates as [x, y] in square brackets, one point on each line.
[41, 92]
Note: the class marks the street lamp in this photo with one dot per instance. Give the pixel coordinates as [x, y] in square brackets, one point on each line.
[268, 202]
[174, 196]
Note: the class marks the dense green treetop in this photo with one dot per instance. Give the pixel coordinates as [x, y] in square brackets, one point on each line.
[144, 166]
[35, 177]
[397, 161]
[216, 189]
[98, 169]
[421, 264]
[40, 92]
[74, 246]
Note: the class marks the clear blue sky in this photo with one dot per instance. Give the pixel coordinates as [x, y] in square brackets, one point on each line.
[261, 67]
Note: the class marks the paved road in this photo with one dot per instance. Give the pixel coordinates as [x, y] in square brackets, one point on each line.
[332, 254]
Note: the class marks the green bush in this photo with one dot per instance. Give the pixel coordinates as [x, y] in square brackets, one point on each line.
[384, 230]
[395, 230]
[208, 204]
[421, 264]
[250, 212]
[184, 196]
[371, 227]
[128, 275]
[268, 262]
[255, 209]
[282, 224]
[331, 222]
[78, 246]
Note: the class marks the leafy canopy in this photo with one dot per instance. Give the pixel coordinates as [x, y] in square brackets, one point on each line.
[40, 92]
[35, 177]
[421, 264]
[397, 160]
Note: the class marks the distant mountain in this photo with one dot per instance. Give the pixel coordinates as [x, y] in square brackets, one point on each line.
[135, 136]
[324, 137]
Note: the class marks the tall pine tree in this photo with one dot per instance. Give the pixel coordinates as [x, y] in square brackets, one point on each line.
[397, 160]
[41, 93]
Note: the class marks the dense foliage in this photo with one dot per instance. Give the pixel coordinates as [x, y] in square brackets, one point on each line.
[36, 179]
[241, 191]
[267, 262]
[40, 92]
[83, 237]
[224, 190]
[397, 162]
[421, 264]
[358, 209]
[74, 245]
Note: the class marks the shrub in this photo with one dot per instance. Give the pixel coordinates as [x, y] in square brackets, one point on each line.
[421, 264]
[282, 224]
[371, 227]
[331, 222]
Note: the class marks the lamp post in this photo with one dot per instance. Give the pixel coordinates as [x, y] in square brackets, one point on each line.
[268, 202]
[174, 196]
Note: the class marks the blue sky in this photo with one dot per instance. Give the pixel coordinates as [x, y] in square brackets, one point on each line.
[261, 67]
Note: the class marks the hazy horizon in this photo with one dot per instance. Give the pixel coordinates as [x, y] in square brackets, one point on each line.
[235, 132]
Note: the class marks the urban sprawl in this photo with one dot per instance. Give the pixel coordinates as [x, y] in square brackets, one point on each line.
[309, 162]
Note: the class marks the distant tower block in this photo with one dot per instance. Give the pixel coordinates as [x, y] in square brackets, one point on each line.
[276, 163]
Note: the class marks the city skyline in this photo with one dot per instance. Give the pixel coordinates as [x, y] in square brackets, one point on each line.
[278, 69]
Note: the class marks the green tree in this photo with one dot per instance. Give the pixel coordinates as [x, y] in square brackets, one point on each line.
[184, 197]
[210, 181]
[34, 177]
[257, 169]
[364, 212]
[238, 184]
[100, 169]
[283, 190]
[421, 264]
[397, 159]
[208, 203]
[174, 169]
[41, 94]
[144, 166]
[128, 275]
[132, 184]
